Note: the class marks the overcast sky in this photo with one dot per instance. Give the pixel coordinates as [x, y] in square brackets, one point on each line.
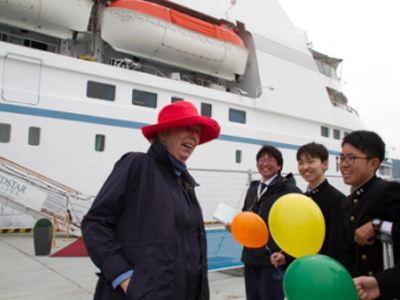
[366, 35]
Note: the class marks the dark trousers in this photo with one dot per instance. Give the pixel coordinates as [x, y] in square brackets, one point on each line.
[263, 283]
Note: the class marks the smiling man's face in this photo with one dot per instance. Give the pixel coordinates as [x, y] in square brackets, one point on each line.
[268, 167]
[181, 142]
[360, 170]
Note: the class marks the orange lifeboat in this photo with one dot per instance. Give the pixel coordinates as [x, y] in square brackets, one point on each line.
[159, 33]
[222, 32]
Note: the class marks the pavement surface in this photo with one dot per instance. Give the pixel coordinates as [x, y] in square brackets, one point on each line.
[23, 275]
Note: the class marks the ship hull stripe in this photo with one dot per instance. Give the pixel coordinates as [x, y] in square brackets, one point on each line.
[38, 112]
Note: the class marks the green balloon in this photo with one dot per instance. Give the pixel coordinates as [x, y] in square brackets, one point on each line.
[318, 277]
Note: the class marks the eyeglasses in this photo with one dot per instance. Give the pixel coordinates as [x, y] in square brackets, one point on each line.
[349, 159]
[269, 161]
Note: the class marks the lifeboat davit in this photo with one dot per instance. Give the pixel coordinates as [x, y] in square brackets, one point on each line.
[159, 33]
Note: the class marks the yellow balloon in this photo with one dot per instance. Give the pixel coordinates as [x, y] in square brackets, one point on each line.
[297, 225]
[250, 230]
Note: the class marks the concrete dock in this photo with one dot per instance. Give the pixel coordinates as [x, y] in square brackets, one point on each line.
[23, 275]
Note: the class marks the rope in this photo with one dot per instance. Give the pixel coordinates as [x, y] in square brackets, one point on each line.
[64, 222]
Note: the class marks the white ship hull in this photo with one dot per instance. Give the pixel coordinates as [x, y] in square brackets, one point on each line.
[283, 95]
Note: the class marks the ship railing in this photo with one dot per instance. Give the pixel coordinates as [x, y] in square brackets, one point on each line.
[129, 64]
[154, 71]
[126, 63]
[345, 107]
[13, 38]
[227, 186]
[230, 186]
[189, 79]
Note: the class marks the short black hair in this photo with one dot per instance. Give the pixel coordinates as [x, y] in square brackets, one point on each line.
[313, 150]
[271, 151]
[368, 142]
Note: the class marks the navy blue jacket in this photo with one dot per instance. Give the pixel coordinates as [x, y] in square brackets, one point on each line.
[281, 186]
[141, 221]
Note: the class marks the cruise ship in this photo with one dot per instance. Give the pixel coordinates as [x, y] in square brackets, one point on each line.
[79, 78]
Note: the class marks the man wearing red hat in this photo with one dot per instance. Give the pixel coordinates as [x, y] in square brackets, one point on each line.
[145, 229]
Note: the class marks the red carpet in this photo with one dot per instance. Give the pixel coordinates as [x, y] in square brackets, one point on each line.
[77, 248]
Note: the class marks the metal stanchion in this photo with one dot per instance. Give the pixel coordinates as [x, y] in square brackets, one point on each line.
[68, 219]
[387, 250]
[54, 232]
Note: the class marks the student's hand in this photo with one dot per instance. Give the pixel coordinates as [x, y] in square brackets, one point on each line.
[367, 287]
[124, 284]
[278, 259]
[228, 226]
[364, 234]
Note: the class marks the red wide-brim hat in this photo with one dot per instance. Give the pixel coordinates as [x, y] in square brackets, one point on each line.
[181, 114]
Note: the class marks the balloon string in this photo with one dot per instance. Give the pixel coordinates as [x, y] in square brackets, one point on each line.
[270, 253]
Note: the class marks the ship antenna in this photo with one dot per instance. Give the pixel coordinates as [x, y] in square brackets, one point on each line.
[226, 13]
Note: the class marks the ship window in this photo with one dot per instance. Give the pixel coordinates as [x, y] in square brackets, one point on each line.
[384, 171]
[336, 134]
[99, 143]
[237, 116]
[100, 91]
[324, 131]
[175, 99]
[206, 109]
[238, 156]
[5, 131]
[35, 45]
[34, 136]
[143, 98]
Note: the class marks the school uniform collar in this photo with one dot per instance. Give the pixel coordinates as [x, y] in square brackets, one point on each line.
[358, 192]
[320, 187]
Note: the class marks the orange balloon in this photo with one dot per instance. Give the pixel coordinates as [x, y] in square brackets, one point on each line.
[249, 230]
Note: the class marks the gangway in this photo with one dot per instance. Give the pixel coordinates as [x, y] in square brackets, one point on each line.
[41, 197]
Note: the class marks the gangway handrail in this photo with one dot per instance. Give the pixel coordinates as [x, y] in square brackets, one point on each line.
[56, 199]
[73, 227]
[40, 176]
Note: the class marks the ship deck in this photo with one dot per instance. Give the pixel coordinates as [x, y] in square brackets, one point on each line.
[27, 276]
